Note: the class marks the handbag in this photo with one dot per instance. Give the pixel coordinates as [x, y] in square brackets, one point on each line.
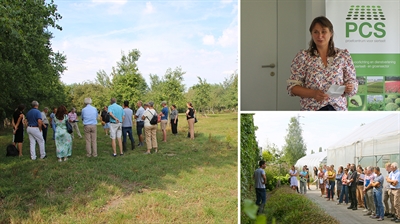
[69, 126]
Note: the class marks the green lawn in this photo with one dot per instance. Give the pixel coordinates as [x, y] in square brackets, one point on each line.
[186, 182]
[375, 87]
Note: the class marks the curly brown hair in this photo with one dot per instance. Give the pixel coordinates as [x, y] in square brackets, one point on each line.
[61, 112]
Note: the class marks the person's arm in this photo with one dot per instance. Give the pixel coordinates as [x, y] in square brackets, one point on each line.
[112, 115]
[187, 112]
[264, 178]
[21, 117]
[176, 117]
[40, 124]
[303, 92]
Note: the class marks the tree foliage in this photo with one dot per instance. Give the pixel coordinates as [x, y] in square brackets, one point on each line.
[294, 148]
[30, 70]
[249, 156]
[202, 95]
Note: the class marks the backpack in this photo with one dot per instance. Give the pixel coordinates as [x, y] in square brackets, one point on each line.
[12, 150]
[154, 119]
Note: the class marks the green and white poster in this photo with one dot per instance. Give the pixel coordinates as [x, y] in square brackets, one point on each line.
[370, 30]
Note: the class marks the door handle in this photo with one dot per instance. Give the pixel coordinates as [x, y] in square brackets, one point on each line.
[272, 65]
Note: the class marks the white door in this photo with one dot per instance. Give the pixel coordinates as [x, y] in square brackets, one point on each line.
[272, 32]
[258, 48]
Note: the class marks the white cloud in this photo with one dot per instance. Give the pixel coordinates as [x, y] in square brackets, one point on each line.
[229, 37]
[208, 40]
[149, 8]
[226, 1]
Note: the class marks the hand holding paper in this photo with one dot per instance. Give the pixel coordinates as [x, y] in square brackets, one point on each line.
[335, 91]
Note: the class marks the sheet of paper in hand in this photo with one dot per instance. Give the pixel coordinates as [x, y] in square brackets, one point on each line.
[335, 91]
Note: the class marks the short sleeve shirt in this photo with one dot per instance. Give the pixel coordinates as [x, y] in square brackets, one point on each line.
[380, 180]
[148, 115]
[258, 178]
[33, 116]
[139, 114]
[128, 118]
[310, 72]
[117, 111]
[164, 111]
[395, 175]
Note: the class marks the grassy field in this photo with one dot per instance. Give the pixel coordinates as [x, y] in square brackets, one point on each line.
[375, 87]
[186, 182]
[362, 89]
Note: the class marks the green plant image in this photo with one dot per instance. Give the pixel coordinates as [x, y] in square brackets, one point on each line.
[375, 87]
[356, 103]
[392, 102]
[362, 89]
[187, 181]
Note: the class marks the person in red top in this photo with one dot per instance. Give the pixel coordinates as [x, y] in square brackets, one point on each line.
[73, 119]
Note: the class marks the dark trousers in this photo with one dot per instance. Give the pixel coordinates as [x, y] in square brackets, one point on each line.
[331, 190]
[174, 127]
[327, 108]
[44, 132]
[129, 131]
[261, 195]
[352, 195]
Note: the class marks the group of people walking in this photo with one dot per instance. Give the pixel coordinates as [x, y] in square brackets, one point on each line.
[117, 121]
[362, 188]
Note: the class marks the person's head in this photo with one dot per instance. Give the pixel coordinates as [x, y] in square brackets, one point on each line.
[173, 107]
[87, 101]
[394, 166]
[321, 30]
[348, 165]
[262, 164]
[21, 107]
[346, 170]
[73, 110]
[353, 167]
[315, 168]
[61, 112]
[189, 104]
[377, 170]
[388, 167]
[113, 100]
[151, 104]
[146, 105]
[139, 103]
[163, 103]
[370, 170]
[360, 169]
[340, 170]
[46, 109]
[105, 108]
[126, 103]
[35, 104]
[332, 167]
[293, 167]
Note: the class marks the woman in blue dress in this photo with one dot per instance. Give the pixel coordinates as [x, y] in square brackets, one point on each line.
[63, 138]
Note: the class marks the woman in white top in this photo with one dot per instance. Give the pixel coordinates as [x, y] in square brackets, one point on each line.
[150, 129]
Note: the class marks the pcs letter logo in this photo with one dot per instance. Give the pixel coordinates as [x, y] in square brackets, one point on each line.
[367, 20]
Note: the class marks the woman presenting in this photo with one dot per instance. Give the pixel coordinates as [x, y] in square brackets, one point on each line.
[315, 70]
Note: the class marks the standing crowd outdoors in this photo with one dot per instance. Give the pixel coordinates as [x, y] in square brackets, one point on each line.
[362, 188]
[116, 120]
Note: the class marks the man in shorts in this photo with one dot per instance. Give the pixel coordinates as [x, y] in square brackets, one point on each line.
[139, 122]
[117, 116]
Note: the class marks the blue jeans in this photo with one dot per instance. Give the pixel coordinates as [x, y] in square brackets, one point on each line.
[129, 131]
[331, 191]
[344, 192]
[378, 203]
[261, 195]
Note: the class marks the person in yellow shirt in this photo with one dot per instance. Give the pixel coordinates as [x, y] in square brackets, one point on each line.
[331, 178]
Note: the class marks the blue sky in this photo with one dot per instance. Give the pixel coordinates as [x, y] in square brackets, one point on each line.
[319, 129]
[199, 36]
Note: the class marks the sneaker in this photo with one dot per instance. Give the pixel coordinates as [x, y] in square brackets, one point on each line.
[365, 210]
[354, 208]
[380, 219]
[374, 217]
[121, 154]
[59, 160]
[338, 203]
[44, 157]
[115, 155]
[367, 214]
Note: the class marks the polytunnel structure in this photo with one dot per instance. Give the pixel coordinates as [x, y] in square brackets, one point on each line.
[311, 160]
[373, 144]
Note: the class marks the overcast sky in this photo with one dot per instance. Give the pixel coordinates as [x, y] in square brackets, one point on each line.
[320, 129]
[199, 36]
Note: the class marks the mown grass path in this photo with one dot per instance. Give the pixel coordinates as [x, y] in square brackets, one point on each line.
[186, 182]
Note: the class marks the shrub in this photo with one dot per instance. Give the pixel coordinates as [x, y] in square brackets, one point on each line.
[397, 101]
[392, 96]
[273, 177]
[391, 107]
[286, 206]
[388, 100]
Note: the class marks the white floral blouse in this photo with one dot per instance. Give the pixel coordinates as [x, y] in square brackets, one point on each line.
[310, 72]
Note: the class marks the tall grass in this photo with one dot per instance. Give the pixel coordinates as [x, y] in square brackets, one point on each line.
[188, 181]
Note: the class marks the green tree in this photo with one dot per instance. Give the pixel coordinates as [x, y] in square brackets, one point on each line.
[249, 156]
[103, 79]
[294, 148]
[127, 82]
[78, 92]
[202, 95]
[230, 96]
[30, 70]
